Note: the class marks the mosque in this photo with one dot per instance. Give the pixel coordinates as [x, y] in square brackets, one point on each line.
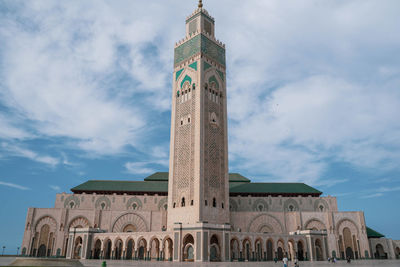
[198, 211]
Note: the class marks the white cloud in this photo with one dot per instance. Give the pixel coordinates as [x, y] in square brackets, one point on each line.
[138, 168]
[55, 188]
[372, 195]
[15, 150]
[20, 187]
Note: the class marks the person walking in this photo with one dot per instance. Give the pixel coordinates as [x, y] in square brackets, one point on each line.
[296, 262]
[285, 261]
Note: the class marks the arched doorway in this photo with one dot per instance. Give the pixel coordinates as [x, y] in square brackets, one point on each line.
[142, 245]
[188, 249]
[168, 249]
[234, 249]
[318, 250]
[280, 253]
[118, 249]
[247, 249]
[214, 249]
[155, 249]
[270, 250]
[348, 243]
[97, 249]
[258, 249]
[349, 253]
[380, 252]
[300, 251]
[280, 250]
[397, 251]
[78, 248]
[41, 251]
[129, 249]
[107, 249]
[43, 240]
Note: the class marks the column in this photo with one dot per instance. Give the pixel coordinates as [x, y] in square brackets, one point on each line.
[310, 248]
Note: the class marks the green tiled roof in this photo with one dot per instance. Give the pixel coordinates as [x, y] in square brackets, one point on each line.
[371, 233]
[157, 176]
[273, 188]
[122, 186]
[236, 177]
[158, 183]
[163, 176]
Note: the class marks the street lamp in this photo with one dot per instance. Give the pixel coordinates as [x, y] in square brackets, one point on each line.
[17, 251]
[4, 247]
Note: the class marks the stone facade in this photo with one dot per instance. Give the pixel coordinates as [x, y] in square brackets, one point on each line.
[199, 217]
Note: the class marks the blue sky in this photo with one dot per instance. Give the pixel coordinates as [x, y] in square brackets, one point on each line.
[313, 96]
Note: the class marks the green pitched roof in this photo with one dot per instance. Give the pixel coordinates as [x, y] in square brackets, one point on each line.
[371, 233]
[157, 176]
[163, 176]
[158, 183]
[236, 177]
[273, 188]
[122, 186]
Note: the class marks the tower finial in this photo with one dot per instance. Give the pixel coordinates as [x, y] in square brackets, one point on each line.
[200, 3]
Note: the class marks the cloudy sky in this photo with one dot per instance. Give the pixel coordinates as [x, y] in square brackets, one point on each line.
[313, 96]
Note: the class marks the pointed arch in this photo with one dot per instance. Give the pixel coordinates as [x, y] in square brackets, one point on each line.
[72, 202]
[130, 204]
[103, 202]
[291, 205]
[313, 224]
[79, 222]
[265, 219]
[46, 219]
[186, 79]
[127, 219]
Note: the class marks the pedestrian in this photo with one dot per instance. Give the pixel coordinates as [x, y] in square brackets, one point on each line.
[285, 261]
[275, 259]
[296, 263]
[329, 259]
[334, 260]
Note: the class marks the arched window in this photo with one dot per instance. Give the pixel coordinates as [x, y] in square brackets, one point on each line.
[183, 202]
[222, 204]
[205, 202]
[174, 204]
[191, 202]
[134, 206]
[71, 204]
[206, 86]
[291, 208]
[165, 207]
[260, 207]
[321, 208]
[214, 202]
[194, 86]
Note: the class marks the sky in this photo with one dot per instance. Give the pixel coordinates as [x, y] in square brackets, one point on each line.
[312, 86]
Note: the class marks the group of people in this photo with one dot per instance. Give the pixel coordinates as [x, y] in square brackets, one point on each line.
[333, 260]
[285, 261]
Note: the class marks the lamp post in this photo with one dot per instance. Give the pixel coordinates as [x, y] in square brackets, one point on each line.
[4, 247]
[17, 251]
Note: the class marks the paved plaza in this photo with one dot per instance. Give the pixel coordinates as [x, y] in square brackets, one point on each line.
[5, 261]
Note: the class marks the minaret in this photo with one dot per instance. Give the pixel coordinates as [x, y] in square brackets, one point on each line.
[198, 189]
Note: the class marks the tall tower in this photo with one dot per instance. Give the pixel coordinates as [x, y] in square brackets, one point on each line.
[198, 189]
